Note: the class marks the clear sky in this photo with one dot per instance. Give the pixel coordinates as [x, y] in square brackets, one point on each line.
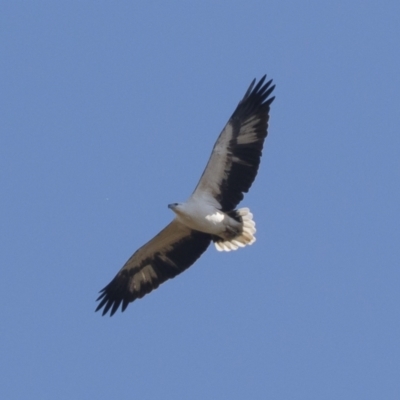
[109, 111]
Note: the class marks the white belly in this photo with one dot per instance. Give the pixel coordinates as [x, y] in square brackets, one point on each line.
[202, 217]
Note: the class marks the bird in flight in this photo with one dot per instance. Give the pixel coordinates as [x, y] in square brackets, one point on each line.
[210, 214]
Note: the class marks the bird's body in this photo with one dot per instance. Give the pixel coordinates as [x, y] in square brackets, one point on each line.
[209, 214]
[204, 217]
[201, 216]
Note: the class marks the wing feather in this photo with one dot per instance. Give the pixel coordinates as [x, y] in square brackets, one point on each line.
[168, 254]
[236, 155]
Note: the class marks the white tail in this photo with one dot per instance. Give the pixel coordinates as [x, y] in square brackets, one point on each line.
[246, 236]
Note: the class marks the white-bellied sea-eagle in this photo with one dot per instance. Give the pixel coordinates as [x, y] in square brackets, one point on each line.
[209, 215]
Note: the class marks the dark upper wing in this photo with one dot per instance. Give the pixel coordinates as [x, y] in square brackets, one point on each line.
[168, 254]
[236, 155]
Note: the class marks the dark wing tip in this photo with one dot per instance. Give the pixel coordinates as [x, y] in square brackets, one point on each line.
[261, 91]
[114, 294]
[256, 98]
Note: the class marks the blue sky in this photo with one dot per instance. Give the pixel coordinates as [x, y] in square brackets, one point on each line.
[109, 111]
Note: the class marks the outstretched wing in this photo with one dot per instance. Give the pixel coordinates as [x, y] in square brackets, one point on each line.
[168, 254]
[236, 155]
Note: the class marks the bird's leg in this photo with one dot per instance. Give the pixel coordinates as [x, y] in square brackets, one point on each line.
[230, 232]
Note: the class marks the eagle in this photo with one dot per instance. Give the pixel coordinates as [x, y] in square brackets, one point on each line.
[210, 214]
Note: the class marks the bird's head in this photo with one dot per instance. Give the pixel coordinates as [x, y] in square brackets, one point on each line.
[175, 207]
